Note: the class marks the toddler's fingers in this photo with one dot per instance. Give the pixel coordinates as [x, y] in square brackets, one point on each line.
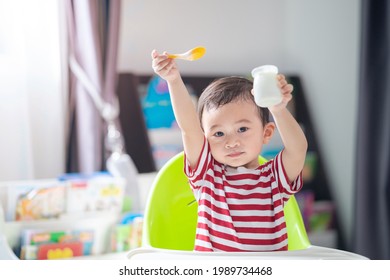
[154, 54]
[282, 83]
[159, 65]
[155, 64]
[287, 89]
[170, 65]
[281, 80]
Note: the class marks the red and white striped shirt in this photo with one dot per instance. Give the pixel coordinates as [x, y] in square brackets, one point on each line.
[240, 209]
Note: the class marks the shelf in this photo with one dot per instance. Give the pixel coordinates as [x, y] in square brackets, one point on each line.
[100, 223]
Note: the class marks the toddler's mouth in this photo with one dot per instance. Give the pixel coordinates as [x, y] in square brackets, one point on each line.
[235, 154]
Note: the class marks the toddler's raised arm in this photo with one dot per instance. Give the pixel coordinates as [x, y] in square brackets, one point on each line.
[294, 140]
[183, 107]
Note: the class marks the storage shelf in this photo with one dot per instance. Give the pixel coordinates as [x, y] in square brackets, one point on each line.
[100, 223]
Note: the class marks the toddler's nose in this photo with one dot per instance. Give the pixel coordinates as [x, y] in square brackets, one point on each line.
[232, 143]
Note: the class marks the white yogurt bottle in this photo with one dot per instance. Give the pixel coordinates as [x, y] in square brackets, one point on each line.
[265, 86]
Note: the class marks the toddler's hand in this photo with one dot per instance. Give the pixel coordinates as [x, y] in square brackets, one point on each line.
[165, 67]
[286, 91]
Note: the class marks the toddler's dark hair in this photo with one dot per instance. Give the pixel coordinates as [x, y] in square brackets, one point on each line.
[225, 90]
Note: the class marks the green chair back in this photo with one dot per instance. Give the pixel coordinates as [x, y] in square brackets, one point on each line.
[171, 212]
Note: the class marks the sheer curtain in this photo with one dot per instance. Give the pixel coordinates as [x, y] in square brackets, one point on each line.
[32, 117]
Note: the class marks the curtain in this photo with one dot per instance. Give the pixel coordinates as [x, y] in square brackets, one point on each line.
[32, 115]
[93, 31]
[372, 222]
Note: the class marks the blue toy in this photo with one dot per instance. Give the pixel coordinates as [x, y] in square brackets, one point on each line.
[157, 106]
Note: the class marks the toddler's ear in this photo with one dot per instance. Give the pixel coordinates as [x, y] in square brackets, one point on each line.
[269, 130]
[253, 93]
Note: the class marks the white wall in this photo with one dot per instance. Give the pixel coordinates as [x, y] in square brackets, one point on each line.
[237, 35]
[319, 40]
[323, 47]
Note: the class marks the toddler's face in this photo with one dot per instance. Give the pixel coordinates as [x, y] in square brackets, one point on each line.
[235, 133]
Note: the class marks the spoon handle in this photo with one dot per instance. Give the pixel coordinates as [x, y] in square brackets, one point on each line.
[185, 56]
[174, 55]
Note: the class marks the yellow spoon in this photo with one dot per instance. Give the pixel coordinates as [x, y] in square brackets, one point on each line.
[190, 55]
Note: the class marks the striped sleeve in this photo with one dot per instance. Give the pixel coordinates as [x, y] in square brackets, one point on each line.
[196, 175]
[285, 187]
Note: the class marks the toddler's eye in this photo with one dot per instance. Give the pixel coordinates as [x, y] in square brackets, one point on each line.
[242, 129]
[218, 134]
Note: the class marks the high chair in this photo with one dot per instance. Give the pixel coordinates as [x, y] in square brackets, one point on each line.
[171, 215]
